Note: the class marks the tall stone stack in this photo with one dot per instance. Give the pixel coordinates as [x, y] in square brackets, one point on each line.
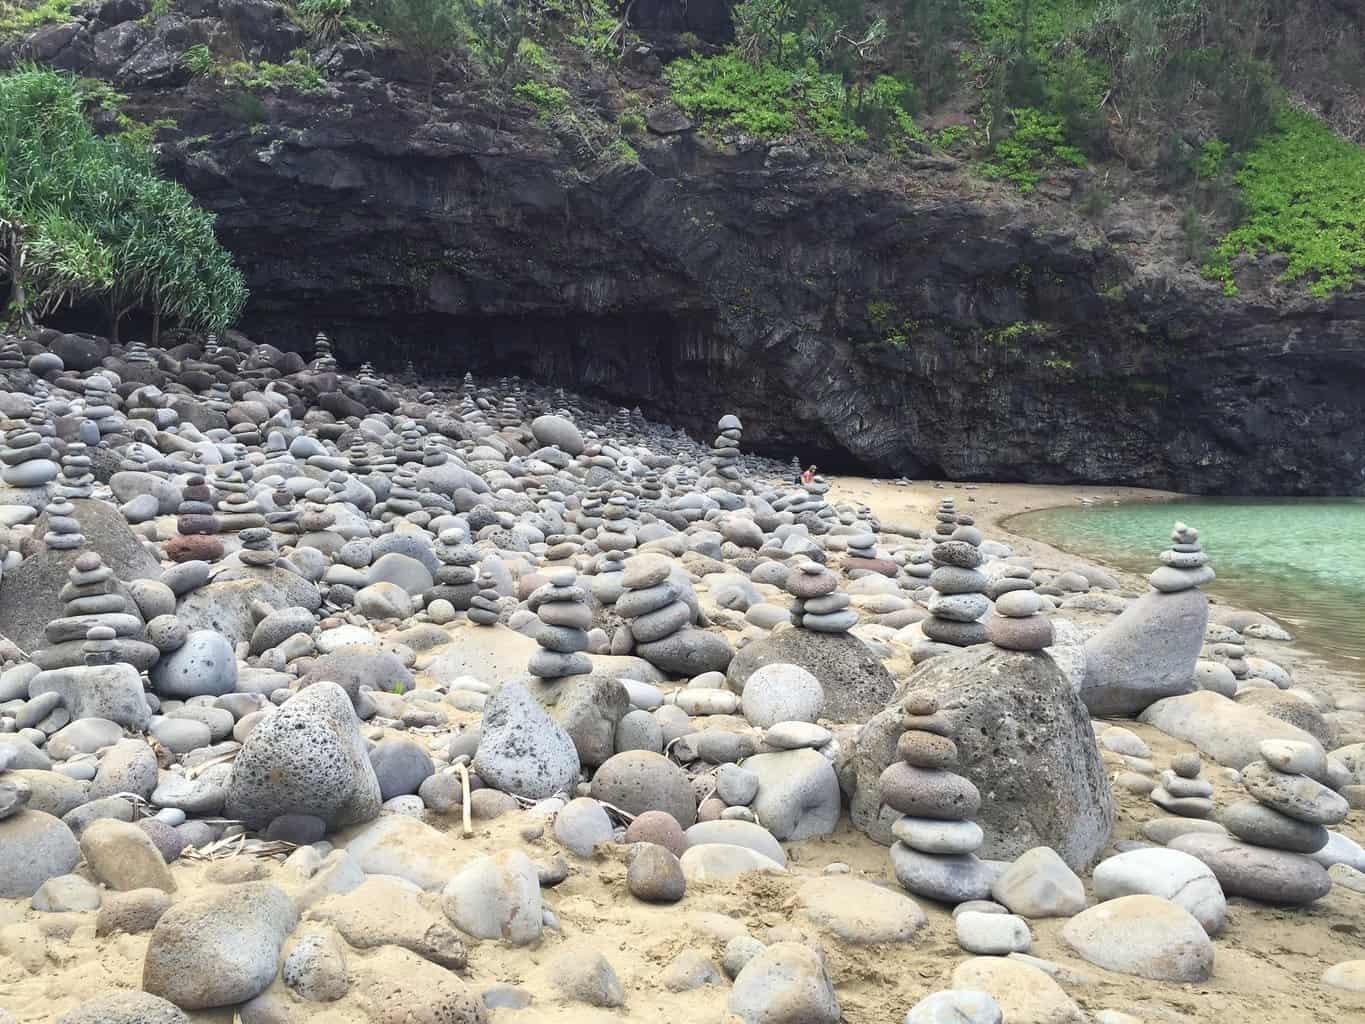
[322, 353]
[483, 606]
[616, 533]
[1265, 857]
[652, 602]
[258, 548]
[1014, 578]
[1151, 650]
[958, 601]
[937, 836]
[945, 521]
[561, 605]
[456, 578]
[819, 606]
[11, 357]
[725, 453]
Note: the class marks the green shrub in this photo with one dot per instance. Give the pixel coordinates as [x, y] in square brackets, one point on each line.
[1211, 155]
[197, 60]
[160, 8]
[1303, 190]
[246, 107]
[632, 122]
[623, 152]
[16, 20]
[1034, 149]
[327, 20]
[548, 99]
[297, 73]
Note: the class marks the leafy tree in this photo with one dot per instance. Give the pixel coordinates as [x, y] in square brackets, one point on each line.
[429, 29]
[86, 218]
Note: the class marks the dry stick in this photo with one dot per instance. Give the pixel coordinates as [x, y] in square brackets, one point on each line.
[468, 829]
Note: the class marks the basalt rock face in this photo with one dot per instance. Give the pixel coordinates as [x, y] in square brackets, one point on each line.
[910, 320]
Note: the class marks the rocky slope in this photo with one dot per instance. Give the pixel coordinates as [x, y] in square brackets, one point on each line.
[907, 320]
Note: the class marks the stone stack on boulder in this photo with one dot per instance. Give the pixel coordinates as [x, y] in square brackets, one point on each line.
[63, 530]
[11, 357]
[1181, 791]
[819, 606]
[1013, 578]
[258, 548]
[196, 523]
[1151, 650]
[652, 602]
[1017, 622]
[561, 605]
[1266, 857]
[725, 454]
[1232, 653]
[936, 836]
[958, 601]
[76, 481]
[92, 598]
[483, 606]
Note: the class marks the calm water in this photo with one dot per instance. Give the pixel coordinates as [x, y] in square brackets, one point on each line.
[1301, 561]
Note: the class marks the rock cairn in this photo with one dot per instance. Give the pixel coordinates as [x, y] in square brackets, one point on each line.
[651, 602]
[91, 598]
[1014, 578]
[937, 836]
[958, 601]
[27, 458]
[11, 356]
[819, 606]
[725, 451]
[1289, 809]
[945, 521]
[63, 530]
[322, 353]
[561, 605]
[1017, 622]
[456, 578]
[1181, 791]
[77, 480]
[483, 606]
[258, 548]
[1184, 564]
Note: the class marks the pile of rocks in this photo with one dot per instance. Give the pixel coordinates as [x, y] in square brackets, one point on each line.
[562, 607]
[1182, 792]
[27, 458]
[819, 605]
[937, 836]
[958, 601]
[725, 453]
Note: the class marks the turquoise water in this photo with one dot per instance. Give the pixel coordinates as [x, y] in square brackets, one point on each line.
[1300, 561]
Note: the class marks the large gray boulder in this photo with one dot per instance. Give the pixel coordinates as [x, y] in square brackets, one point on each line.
[1022, 735]
[855, 683]
[1147, 653]
[33, 848]
[521, 749]
[225, 605]
[350, 667]
[559, 432]
[204, 666]
[798, 793]
[112, 692]
[307, 758]
[219, 948]
[589, 708]
[1223, 729]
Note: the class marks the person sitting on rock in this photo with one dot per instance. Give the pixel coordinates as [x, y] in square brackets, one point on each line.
[809, 474]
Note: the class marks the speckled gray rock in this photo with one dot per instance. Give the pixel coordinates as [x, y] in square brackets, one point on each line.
[315, 968]
[640, 780]
[955, 1006]
[589, 708]
[219, 948]
[112, 692]
[779, 692]
[307, 758]
[1142, 935]
[205, 665]
[521, 749]
[855, 683]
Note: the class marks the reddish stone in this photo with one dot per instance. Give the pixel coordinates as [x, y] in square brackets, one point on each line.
[194, 547]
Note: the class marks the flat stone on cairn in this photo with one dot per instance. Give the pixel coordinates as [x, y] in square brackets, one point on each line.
[483, 607]
[819, 606]
[1181, 791]
[937, 835]
[561, 605]
[1017, 622]
[1016, 577]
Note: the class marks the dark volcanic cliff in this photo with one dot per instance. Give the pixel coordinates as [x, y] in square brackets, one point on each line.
[899, 320]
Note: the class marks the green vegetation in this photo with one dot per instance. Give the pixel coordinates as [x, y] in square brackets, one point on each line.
[197, 60]
[326, 20]
[16, 19]
[1035, 148]
[87, 219]
[297, 73]
[1303, 189]
[548, 99]
[1012, 334]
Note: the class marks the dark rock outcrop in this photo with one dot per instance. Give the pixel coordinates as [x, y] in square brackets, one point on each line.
[900, 318]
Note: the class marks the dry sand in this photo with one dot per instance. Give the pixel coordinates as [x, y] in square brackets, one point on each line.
[1268, 963]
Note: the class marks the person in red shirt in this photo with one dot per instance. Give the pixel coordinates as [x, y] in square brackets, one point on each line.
[809, 474]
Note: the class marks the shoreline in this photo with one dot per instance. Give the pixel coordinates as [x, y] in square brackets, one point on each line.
[995, 505]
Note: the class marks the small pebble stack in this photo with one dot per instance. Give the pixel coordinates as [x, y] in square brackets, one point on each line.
[958, 601]
[63, 531]
[483, 606]
[1017, 622]
[456, 579]
[1184, 565]
[1288, 809]
[1181, 791]
[819, 606]
[258, 548]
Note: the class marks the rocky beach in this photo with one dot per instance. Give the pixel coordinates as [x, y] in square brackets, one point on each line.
[339, 695]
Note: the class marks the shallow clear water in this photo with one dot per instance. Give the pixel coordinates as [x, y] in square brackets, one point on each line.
[1301, 561]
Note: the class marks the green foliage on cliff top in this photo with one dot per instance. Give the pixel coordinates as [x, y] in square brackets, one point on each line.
[1303, 188]
[85, 218]
[18, 18]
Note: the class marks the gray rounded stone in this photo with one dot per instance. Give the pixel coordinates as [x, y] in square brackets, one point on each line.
[639, 780]
[205, 665]
[781, 693]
